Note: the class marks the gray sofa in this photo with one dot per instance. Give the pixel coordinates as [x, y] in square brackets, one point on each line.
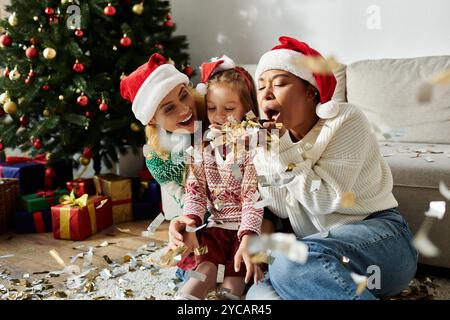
[414, 137]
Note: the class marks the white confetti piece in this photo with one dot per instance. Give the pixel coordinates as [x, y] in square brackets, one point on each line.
[6, 256]
[195, 229]
[218, 204]
[105, 274]
[236, 171]
[197, 275]
[102, 203]
[437, 209]
[220, 273]
[361, 282]
[315, 185]
[285, 243]
[255, 196]
[123, 230]
[104, 244]
[428, 159]
[445, 192]
[57, 257]
[425, 246]
[155, 223]
[262, 203]
[386, 155]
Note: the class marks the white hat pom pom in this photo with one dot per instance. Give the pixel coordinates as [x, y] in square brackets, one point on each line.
[227, 63]
[201, 88]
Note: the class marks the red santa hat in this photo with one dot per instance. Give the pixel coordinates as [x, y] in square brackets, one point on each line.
[208, 69]
[149, 84]
[285, 57]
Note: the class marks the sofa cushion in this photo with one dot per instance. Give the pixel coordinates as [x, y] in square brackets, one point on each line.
[418, 165]
[386, 90]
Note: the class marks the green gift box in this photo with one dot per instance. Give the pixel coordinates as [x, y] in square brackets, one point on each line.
[42, 200]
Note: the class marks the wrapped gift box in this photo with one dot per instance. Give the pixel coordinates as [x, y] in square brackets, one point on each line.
[42, 200]
[81, 186]
[31, 175]
[78, 222]
[63, 172]
[9, 198]
[34, 222]
[119, 190]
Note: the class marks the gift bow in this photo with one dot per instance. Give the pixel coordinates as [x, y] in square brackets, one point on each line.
[71, 200]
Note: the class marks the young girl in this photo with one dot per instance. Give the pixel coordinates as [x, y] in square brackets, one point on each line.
[213, 183]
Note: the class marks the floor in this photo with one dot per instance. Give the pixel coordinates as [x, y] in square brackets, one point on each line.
[123, 267]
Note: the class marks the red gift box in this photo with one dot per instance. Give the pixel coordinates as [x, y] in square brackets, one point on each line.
[81, 186]
[77, 221]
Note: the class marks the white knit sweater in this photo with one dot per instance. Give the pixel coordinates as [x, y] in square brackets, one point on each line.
[343, 154]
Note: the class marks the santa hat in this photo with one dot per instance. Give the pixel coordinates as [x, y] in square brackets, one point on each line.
[208, 69]
[285, 57]
[149, 84]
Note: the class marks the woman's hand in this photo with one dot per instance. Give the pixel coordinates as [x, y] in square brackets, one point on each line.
[177, 230]
[252, 269]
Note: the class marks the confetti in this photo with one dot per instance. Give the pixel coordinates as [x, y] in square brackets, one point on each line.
[57, 257]
[361, 282]
[201, 250]
[7, 256]
[156, 223]
[262, 257]
[318, 64]
[428, 159]
[218, 204]
[255, 196]
[168, 258]
[437, 209]
[348, 200]
[220, 273]
[445, 192]
[102, 203]
[195, 229]
[425, 246]
[315, 185]
[236, 171]
[290, 167]
[107, 259]
[262, 203]
[197, 275]
[104, 244]
[285, 243]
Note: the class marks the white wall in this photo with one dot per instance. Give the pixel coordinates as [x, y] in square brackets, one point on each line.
[246, 29]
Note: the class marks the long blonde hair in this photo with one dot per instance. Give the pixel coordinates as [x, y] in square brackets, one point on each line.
[151, 130]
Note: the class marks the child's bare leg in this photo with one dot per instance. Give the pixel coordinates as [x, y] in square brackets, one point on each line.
[198, 288]
[236, 285]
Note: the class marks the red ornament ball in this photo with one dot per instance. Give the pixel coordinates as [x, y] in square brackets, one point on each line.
[79, 33]
[169, 23]
[23, 121]
[88, 114]
[109, 10]
[103, 107]
[88, 153]
[5, 40]
[53, 20]
[83, 100]
[31, 74]
[188, 71]
[78, 67]
[37, 143]
[45, 87]
[2, 112]
[49, 11]
[28, 80]
[50, 172]
[125, 42]
[31, 52]
[1, 147]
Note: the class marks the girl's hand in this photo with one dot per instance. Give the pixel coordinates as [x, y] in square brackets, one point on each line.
[177, 229]
[242, 254]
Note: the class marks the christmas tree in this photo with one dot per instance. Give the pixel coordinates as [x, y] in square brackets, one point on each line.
[62, 62]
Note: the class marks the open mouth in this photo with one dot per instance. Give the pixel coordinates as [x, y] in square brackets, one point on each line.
[272, 114]
[186, 121]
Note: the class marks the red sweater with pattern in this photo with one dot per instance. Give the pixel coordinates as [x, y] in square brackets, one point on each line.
[229, 196]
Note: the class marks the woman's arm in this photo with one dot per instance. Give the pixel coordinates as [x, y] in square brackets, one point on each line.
[165, 171]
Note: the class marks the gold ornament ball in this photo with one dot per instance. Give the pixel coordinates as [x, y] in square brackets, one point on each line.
[49, 53]
[138, 8]
[135, 127]
[4, 97]
[12, 20]
[10, 107]
[84, 161]
[61, 97]
[46, 113]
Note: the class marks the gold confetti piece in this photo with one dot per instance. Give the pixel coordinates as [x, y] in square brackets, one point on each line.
[129, 293]
[348, 200]
[361, 282]
[150, 298]
[220, 273]
[89, 286]
[445, 192]
[250, 115]
[279, 125]
[290, 167]
[126, 259]
[107, 259]
[57, 257]
[201, 250]
[101, 298]
[437, 209]
[60, 294]
[262, 257]
[168, 258]
[442, 78]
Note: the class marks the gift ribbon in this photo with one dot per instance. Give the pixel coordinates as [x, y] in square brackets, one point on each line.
[39, 222]
[40, 158]
[71, 200]
[64, 217]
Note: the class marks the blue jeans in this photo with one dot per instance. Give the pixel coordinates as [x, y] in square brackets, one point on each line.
[381, 242]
